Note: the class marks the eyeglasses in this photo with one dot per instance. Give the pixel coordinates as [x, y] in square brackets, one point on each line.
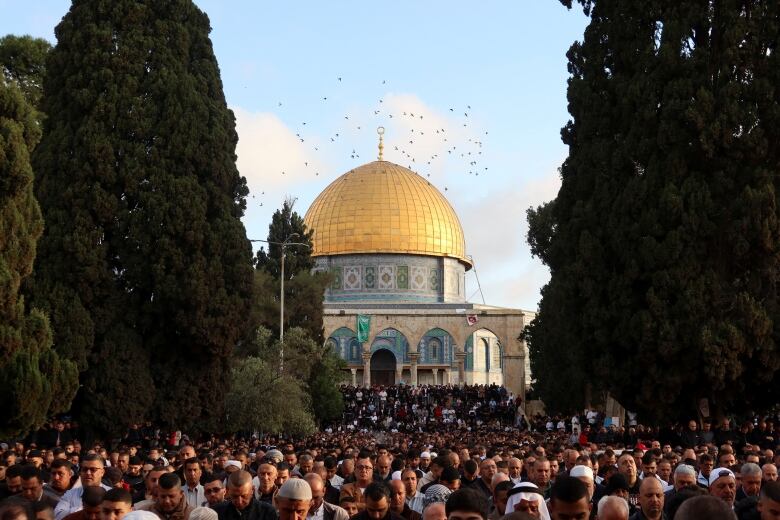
[90, 470]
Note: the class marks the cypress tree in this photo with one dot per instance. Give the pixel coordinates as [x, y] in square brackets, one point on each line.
[663, 241]
[145, 266]
[286, 223]
[35, 381]
[304, 291]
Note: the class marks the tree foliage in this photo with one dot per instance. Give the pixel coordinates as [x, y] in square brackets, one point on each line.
[307, 384]
[327, 373]
[260, 399]
[36, 381]
[663, 240]
[23, 62]
[287, 226]
[304, 290]
[144, 267]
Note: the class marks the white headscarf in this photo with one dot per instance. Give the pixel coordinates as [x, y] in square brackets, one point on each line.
[529, 493]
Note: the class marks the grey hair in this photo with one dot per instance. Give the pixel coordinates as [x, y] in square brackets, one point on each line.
[685, 469]
[615, 502]
[750, 469]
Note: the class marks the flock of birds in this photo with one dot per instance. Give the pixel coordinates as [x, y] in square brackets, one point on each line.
[457, 141]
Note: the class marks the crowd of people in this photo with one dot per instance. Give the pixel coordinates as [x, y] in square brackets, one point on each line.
[416, 408]
[466, 457]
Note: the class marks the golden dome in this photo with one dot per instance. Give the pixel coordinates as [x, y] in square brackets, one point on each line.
[381, 207]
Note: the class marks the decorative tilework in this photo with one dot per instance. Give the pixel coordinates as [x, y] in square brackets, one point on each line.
[418, 278]
[369, 277]
[393, 341]
[436, 347]
[402, 277]
[352, 278]
[393, 278]
[386, 277]
[433, 280]
[337, 279]
[346, 345]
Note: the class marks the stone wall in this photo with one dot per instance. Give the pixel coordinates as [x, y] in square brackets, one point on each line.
[505, 324]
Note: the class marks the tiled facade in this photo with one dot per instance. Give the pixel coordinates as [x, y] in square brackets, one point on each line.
[393, 277]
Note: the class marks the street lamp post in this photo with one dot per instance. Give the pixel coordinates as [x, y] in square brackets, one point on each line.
[282, 245]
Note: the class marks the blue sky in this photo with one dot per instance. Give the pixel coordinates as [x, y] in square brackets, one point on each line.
[497, 67]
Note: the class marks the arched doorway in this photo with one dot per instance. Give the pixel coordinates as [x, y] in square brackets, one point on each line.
[383, 368]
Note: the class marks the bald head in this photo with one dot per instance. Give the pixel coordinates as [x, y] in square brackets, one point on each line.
[435, 511]
[314, 480]
[704, 507]
[612, 508]
[769, 472]
[397, 496]
[650, 484]
[497, 479]
[239, 478]
[186, 452]
[383, 465]
[317, 486]
[651, 498]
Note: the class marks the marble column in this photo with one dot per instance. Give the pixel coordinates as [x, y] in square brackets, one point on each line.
[414, 357]
[366, 369]
[399, 372]
[354, 376]
[445, 379]
[435, 376]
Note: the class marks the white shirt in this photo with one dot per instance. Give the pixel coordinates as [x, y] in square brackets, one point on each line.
[71, 502]
[416, 502]
[319, 514]
[194, 497]
[336, 481]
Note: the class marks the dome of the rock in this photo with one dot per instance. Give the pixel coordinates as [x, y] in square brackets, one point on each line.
[381, 207]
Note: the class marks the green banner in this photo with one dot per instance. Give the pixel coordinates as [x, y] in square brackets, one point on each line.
[363, 324]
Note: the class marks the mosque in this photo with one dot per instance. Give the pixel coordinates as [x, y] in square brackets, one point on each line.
[396, 310]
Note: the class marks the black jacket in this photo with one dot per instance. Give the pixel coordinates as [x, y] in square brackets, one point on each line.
[747, 509]
[256, 510]
[331, 493]
[640, 516]
[363, 515]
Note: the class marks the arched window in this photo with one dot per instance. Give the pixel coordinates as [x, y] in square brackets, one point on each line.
[354, 350]
[486, 345]
[434, 350]
[496, 356]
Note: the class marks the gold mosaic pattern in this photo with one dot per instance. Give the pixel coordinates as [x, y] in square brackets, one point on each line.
[381, 207]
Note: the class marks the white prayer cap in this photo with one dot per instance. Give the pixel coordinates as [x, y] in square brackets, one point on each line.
[581, 471]
[717, 473]
[233, 463]
[295, 489]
